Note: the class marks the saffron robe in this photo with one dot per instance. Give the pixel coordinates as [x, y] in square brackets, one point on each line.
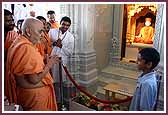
[45, 46]
[11, 36]
[23, 58]
[55, 25]
[49, 44]
[41, 48]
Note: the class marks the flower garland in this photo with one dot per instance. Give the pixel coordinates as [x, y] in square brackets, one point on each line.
[91, 103]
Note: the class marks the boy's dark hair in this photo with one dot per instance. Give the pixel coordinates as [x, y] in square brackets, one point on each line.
[50, 12]
[41, 18]
[65, 18]
[7, 12]
[150, 55]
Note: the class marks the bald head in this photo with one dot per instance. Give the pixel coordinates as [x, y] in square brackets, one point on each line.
[30, 23]
[33, 29]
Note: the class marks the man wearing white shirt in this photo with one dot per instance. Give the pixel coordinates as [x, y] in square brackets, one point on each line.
[20, 12]
[63, 45]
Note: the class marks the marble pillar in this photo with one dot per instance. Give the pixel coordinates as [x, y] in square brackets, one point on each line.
[159, 44]
[87, 55]
[117, 25]
[83, 62]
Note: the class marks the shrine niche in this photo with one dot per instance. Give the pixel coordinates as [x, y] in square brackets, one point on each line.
[141, 16]
[146, 33]
[140, 28]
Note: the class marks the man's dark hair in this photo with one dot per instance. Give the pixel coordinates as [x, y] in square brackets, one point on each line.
[20, 21]
[50, 12]
[65, 18]
[7, 12]
[150, 55]
[41, 18]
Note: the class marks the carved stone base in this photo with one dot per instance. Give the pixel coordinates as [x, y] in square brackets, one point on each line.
[88, 71]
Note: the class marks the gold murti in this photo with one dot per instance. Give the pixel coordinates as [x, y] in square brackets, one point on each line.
[146, 35]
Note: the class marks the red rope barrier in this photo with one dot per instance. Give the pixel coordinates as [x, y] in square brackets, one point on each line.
[93, 97]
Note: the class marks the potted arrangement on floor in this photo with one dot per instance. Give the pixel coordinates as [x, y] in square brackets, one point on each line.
[84, 103]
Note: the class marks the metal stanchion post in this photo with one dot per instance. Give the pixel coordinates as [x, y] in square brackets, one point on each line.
[63, 108]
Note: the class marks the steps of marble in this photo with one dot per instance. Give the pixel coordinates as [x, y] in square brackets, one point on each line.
[102, 81]
[126, 64]
[119, 73]
[115, 74]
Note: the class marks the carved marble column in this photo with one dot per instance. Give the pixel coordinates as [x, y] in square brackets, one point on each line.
[117, 24]
[159, 44]
[87, 55]
[83, 62]
[71, 10]
[159, 32]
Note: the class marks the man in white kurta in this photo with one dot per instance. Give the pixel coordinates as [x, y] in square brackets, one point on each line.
[63, 45]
